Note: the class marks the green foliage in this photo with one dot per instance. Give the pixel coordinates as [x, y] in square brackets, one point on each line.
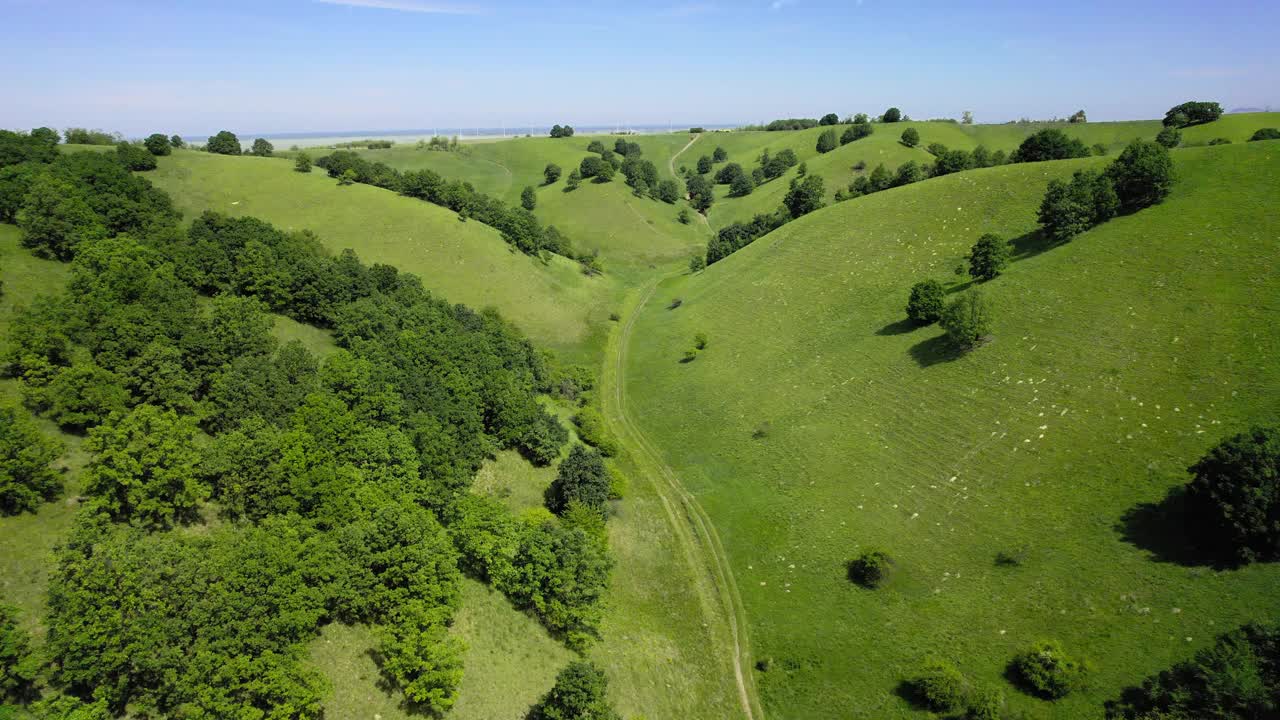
[1142, 175]
[1071, 208]
[892, 115]
[940, 686]
[262, 148]
[1265, 134]
[176, 141]
[1234, 496]
[551, 173]
[26, 478]
[1236, 679]
[910, 137]
[727, 174]
[701, 194]
[907, 173]
[348, 177]
[684, 218]
[719, 155]
[805, 196]
[1045, 670]
[856, 132]
[668, 191]
[704, 165]
[425, 663]
[158, 144]
[829, 119]
[1049, 144]
[988, 257]
[594, 432]
[56, 219]
[952, 161]
[302, 163]
[1192, 113]
[595, 146]
[967, 319]
[582, 478]
[828, 141]
[984, 703]
[561, 132]
[144, 468]
[925, 305]
[80, 396]
[18, 664]
[84, 136]
[871, 569]
[528, 198]
[1169, 137]
[575, 179]
[223, 143]
[580, 693]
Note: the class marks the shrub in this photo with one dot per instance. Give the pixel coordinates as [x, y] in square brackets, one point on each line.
[262, 148]
[594, 432]
[575, 179]
[892, 115]
[1049, 144]
[581, 478]
[967, 320]
[1142, 175]
[224, 143]
[135, 157]
[908, 172]
[984, 704]
[595, 146]
[939, 686]
[829, 119]
[871, 569]
[1169, 137]
[1011, 558]
[528, 198]
[741, 186]
[158, 144]
[952, 161]
[988, 257]
[700, 341]
[1192, 113]
[910, 137]
[925, 305]
[684, 217]
[1265, 134]
[698, 261]
[805, 196]
[689, 355]
[1224, 141]
[1047, 671]
[579, 694]
[551, 173]
[1234, 497]
[855, 132]
[727, 174]
[348, 177]
[668, 191]
[720, 155]
[26, 476]
[828, 141]
[302, 163]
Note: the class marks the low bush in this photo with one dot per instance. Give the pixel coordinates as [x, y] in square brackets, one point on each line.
[1047, 671]
[1266, 134]
[939, 686]
[871, 569]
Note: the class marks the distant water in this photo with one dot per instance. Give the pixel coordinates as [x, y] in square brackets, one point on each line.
[312, 139]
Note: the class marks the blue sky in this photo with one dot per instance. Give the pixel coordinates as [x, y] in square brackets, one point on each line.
[326, 65]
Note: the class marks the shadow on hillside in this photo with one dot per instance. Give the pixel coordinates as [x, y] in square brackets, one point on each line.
[1163, 531]
[961, 286]
[1031, 244]
[935, 350]
[901, 327]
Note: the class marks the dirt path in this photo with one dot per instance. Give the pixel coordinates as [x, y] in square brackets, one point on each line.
[671, 167]
[689, 522]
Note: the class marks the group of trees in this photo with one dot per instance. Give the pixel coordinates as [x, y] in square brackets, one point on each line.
[1140, 177]
[342, 483]
[1192, 113]
[558, 131]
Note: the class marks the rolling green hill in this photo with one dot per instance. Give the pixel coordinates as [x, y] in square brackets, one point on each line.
[467, 262]
[817, 423]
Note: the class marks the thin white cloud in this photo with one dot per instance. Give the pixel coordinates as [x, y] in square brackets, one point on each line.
[779, 4]
[414, 6]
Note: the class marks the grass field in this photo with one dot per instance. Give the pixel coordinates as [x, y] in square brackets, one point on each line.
[554, 303]
[1118, 359]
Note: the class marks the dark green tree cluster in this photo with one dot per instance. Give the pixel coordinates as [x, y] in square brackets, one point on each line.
[829, 119]
[910, 137]
[719, 155]
[558, 131]
[1192, 113]
[27, 477]
[518, 226]
[1264, 134]
[627, 149]
[701, 192]
[85, 136]
[1169, 137]
[805, 196]
[775, 166]
[738, 235]
[1236, 679]
[224, 142]
[792, 124]
[641, 175]
[1049, 144]
[827, 141]
[581, 479]
[1233, 498]
[135, 157]
[158, 144]
[1140, 177]
[892, 115]
[580, 693]
[262, 148]
[856, 131]
[925, 305]
[19, 665]
[988, 257]
[940, 687]
[551, 173]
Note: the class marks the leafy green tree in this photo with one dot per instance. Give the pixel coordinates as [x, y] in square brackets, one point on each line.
[1142, 175]
[952, 161]
[871, 569]
[700, 193]
[1049, 144]
[80, 396]
[741, 186]
[1192, 113]
[697, 263]
[15, 181]
[1234, 497]
[967, 319]
[19, 666]
[349, 177]
[606, 173]
[582, 478]
[828, 141]
[158, 144]
[26, 476]
[551, 173]
[940, 686]
[1069, 209]
[580, 693]
[892, 115]
[595, 146]
[590, 167]
[910, 137]
[830, 119]
[720, 155]
[980, 157]
[1265, 134]
[45, 136]
[925, 305]
[425, 663]
[575, 179]
[528, 198]
[56, 219]
[668, 191]
[805, 196]
[880, 178]
[1047, 671]
[988, 257]
[1169, 137]
[704, 165]
[856, 132]
[966, 118]
[302, 163]
[144, 468]
[224, 143]
[908, 172]
[176, 141]
[683, 216]
[135, 157]
[262, 148]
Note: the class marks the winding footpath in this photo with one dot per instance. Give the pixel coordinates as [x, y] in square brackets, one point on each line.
[690, 524]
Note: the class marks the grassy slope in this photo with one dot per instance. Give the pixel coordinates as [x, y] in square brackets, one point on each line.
[1117, 360]
[465, 262]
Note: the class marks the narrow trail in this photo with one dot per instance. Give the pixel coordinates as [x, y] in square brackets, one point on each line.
[671, 167]
[689, 522]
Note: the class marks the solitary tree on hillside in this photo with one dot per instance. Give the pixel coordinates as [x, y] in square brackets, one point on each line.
[668, 191]
[720, 155]
[967, 117]
[829, 119]
[704, 165]
[579, 694]
[1234, 497]
[910, 137]
[575, 179]
[828, 141]
[805, 196]
[27, 477]
[177, 141]
[741, 185]
[892, 115]
[551, 173]
[595, 146]
[224, 143]
[926, 302]
[262, 148]
[988, 257]
[1192, 113]
[967, 320]
[582, 478]
[302, 163]
[158, 144]
[528, 198]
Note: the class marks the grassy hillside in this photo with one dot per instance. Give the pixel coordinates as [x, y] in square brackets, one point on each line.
[467, 262]
[817, 424]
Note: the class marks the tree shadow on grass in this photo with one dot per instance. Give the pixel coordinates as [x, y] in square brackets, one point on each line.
[1162, 529]
[1031, 244]
[961, 286]
[936, 349]
[901, 327]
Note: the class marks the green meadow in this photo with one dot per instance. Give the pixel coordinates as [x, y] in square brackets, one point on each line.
[818, 423]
